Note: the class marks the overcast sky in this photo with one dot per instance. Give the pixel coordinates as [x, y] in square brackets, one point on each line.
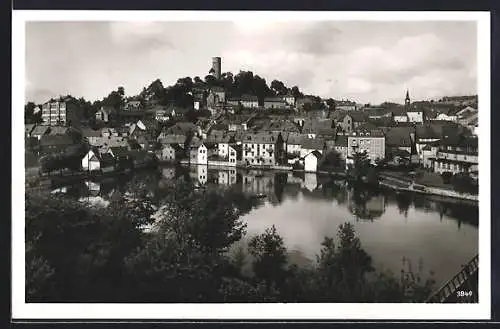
[362, 61]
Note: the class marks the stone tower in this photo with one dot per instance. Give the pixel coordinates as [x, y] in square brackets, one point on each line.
[216, 67]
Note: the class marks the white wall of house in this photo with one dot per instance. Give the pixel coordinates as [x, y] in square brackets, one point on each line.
[250, 104]
[258, 154]
[293, 148]
[446, 117]
[401, 118]
[223, 149]
[202, 155]
[374, 146]
[90, 162]
[310, 163]
[415, 116]
[232, 154]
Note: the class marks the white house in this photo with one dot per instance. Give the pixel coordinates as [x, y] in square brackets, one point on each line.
[415, 116]
[446, 117]
[400, 118]
[198, 153]
[311, 161]
[93, 160]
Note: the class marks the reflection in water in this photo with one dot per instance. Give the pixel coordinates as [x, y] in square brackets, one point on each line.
[307, 207]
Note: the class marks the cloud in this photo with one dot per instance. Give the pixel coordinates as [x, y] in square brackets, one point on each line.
[330, 59]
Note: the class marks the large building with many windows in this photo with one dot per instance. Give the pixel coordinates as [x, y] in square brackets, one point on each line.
[366, 139]
[61, 112]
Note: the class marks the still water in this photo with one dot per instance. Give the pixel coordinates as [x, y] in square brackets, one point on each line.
[399, 231]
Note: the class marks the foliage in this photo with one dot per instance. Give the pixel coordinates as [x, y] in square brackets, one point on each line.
[29, 113]
[79, 253]
[463, 183]
[360, 167]
[208, 220]
[269, 252]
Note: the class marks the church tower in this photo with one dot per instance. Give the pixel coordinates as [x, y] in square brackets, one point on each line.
[407, 98]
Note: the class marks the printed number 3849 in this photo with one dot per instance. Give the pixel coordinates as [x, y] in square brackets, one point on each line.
[463, 293]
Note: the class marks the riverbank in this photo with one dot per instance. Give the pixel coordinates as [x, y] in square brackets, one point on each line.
[406, 184]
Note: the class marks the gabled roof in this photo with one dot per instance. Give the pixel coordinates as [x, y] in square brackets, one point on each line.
[182, 128]
[40, 130]
[88, 132]
[260, 138]
[295, 138]
[172, 139]
[55, 140]
[313, 144]
[356, 116]
[58, 130]
[315, 153]
[274, 99]
[377, 112]
[119, 150]
[399, 136]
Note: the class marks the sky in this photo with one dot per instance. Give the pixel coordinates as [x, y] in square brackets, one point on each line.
[368, 62]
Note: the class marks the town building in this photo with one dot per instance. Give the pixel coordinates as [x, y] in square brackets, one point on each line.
[61, 112]
[262, 148]
[311, 161]
[345, 105]
[105, 114]
[246, 101]
[309, 145]
[367, 139]
[289, 99]
[198, 152]
[275, 103]
[456, 155]
[348, 122]
[216, 67]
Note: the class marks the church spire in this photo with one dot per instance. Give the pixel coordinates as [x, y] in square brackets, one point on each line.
[407, 98]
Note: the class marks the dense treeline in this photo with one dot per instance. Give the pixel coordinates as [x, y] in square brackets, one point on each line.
[182, 93]
[76, 252]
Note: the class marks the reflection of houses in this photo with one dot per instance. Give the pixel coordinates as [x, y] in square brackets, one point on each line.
[257, 183]
[168, 173]
[310, 181]
[199, 173]
[364, 205]
[227, 177]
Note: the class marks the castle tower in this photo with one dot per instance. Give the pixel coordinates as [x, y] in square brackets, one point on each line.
[216, 67]
[407, 98]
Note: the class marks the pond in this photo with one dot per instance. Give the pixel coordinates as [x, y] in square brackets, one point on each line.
[400, 231]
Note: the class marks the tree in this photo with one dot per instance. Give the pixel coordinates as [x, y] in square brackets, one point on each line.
[359, 169]
[84, 246]
[332, 159]
[330, 102]
[279, 88]
[296, 92]
[270, 257]
[207, 220]
[29, 113]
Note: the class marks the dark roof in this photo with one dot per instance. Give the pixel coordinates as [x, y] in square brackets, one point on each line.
[108, 109]
[119, 150]
[172, 139]
[341, 140]
[182, 128]
[295, 138]
[356, 116]
[40, 130]
[260, 138]
[313, 143]
[399, 136]
[274, 99]
[55, 140]
[87, 132]
[376, 112]
[316, 153]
